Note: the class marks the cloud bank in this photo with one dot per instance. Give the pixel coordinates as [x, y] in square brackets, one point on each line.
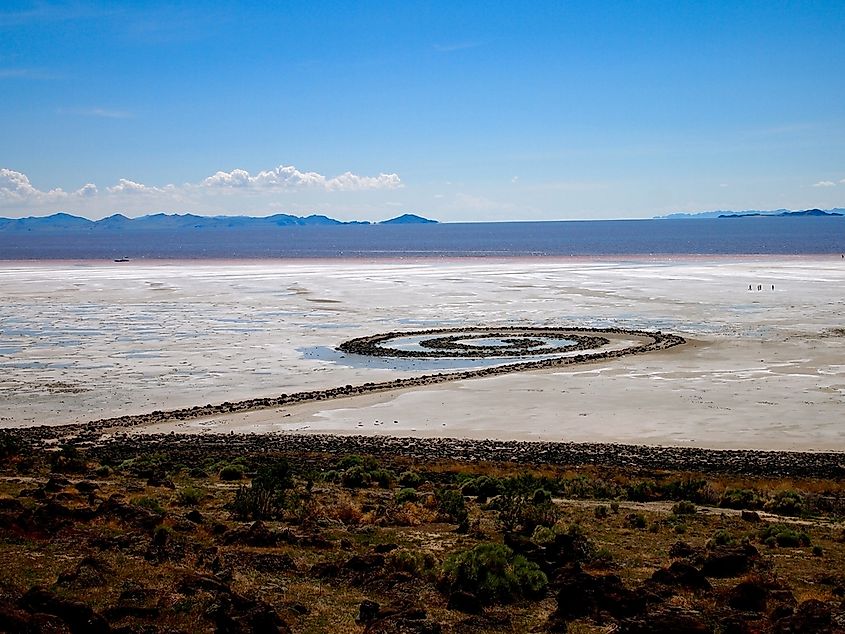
[17, 192]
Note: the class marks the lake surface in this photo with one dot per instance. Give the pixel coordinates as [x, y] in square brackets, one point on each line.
[710, 236]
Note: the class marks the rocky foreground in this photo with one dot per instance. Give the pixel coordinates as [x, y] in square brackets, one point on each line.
[388, 535]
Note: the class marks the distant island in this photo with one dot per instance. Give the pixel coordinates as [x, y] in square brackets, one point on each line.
[118, 223]
[754, 213]
[783, 214]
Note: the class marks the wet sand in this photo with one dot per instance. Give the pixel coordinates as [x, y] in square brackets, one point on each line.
[763, 369]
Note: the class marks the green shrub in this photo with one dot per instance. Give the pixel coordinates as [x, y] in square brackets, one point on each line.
[10, 445]
[492, 573]
[541, 496]
[68, 460]
[406, 495]
[602, 558]
[383, 477]
[253, 503]
[543, 535]
[600, 512]
[783, 536]
[741, 499]
[786, 503]
[274, 477]
[817, 551]
[355, 477]
[410, 479]
[643, 491]
[190, 496]
[684, 508]
[420, 563]
[150, 503]
[635, 520]
[266, 497]
[451, 505]
[721, 538]
[351, 460]
[162, 534]
[518, 512]
[482, 487]
[232, 472]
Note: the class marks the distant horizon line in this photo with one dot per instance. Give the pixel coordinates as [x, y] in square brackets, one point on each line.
[212, 215]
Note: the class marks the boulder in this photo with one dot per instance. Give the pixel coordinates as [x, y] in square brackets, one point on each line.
[464, 602]
[682, 574]
[580, 594]
[80, 618]
[810, 617]
[748, 596]
[257, 534]
[729, 561]
[367, 612]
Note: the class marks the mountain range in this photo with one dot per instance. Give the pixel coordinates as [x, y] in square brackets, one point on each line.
[119, 223]
[777, 213]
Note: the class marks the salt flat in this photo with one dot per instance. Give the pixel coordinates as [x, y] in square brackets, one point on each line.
[763, 368]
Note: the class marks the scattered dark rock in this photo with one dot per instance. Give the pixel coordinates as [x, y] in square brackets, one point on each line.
[810, 617]
[234, 614]
[748, 596]
[161, 481]
[132, 514]
[682, 574]
[729, 561]
[193, 583]
[257, 534]
[751, 516]
[80, 618]
[325, 569]
[464, 602]
[14, 619]
[89, 573]
[683, 550]
[580, 594]
[86, 486]
[364, 563]
[56, 483]
[11, 505]
[195, 516]
[385, 548]
[367, 612]
[297, 608]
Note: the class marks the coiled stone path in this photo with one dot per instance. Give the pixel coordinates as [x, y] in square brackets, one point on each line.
[553, 347]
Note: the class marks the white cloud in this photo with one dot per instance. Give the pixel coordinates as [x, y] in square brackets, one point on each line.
[88, 190]
[287, 177]
[125, 186]
[842, 181]
[17, 192]
[824, 184]
[15, 186]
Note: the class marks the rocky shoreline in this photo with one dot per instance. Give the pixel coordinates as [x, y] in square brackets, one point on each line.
[635, 458]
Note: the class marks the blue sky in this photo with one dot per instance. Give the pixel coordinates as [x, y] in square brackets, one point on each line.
[458, 111]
